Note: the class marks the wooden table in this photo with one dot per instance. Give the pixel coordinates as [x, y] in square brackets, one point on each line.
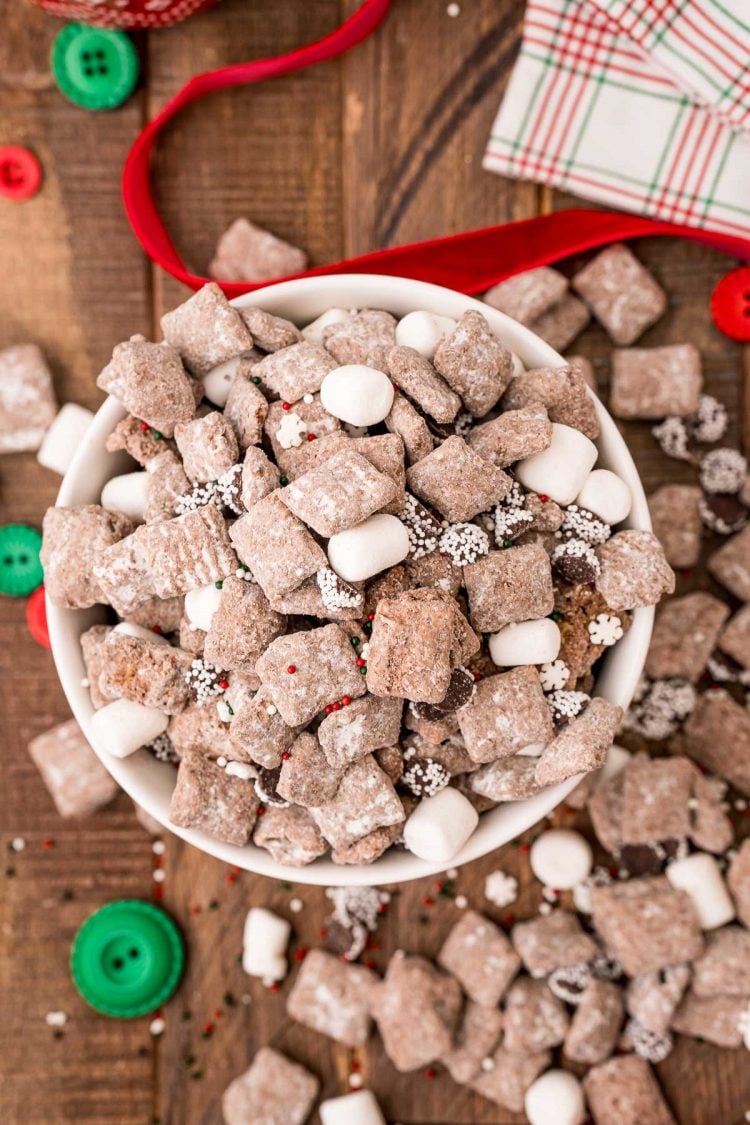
[381, 147]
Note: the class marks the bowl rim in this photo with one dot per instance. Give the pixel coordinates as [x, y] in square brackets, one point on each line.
[149, 783]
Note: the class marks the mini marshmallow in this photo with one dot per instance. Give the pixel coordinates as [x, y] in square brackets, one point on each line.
[556, 1098]
[123, 727]
[360, 395]
[526, 642]
[314, 330]
[606, 495]
[699, 874]
[130, 629]
[423, 331]
[201, 605]
[264, 941]
[533, 750]
[127, 493]
[359, 552]
[561, 858]
[517, 367]
[440, 826]
[217, 382]
[561, 469]
[63, 437]
[359, 1108]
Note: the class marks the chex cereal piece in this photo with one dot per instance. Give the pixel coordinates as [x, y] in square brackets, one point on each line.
[646, 924]
[596, 1023]
[27, 398]
[738, 880]
[167, 483]
[340, 493]
[246, 409]
[509, 586]
[386, 453]
[730, 565]
[622, 294]
[72, 538]
[365, 337]
[92, 649]
[582, 745]
[242, 627]
[634, 571]
[138, 439]
[655, 797]
[259, 476]
[586, 368]
[247, 252]
[273, 1091]
[333, 998]
[457, 481]
[208, 797]
[187, 552]
[512, 435]
[623, 1091]
[655, 382]
[710, 828]
[509, 1076]
[675, 511]
[652, 998]
[364, 725]
[258, 731]
[562, 391]
[151, 382]
[207, 446]
[508, 712]
[416, 1009]
[724, 967]
[508, 779]
[294, 372]
[270, 333]
[685, 634]
[145, 672]
[365, 801]
[552, 941]
[278, 548]
[437, 571]
[734, 639]
[478, 954]
[411, 427]
[205, 330]
[370, 847]
[418, 379]
[306, 776]
[199, 729]
[717, 736]
[561, 323]
[76, 780]
[290, 835]
[417, 639]
[715, 1019]
[476, 1038]
[474, 363]
[534, 1017]
[304, 671]
[527, 295]
[123, 574]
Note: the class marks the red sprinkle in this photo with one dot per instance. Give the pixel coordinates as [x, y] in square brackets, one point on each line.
[383, 908]
[231, 878]
[195, 909]
[143, 426]
[286, 756]
[223, 684]
[427, 901]
[346, 700]
[208, 1029]
[370, 616]
[369, 963]
[158, 891]
[439, 886]
[218, 1014]
[477, 677]
[430, 1073]
[156, 629]
[337, 706]
[261, 811]
[524, 848]
[329, 708]
[311, 437]
[543, 497]
[322, 932]
[48, 843]
[276, 987]
[286, 406]
[291, 669]
[300, 954]
[361, 662]
[509, 919]
[355, 1065]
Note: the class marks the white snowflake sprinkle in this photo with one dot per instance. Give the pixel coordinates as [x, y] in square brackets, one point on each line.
[500, 889]
[605, 629]
[291, 430]
[554, 675]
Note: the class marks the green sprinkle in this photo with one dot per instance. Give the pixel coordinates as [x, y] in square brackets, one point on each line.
[255, 379]
[285, 886]
[367, 627]
[229, 707]
[158, 435]
[67, 895]
[283, 480]
[229, 1000]
[363, 671]
[219, 584]
[213, 904]
[354, 640]
[507, 543]
[189, 1060]
[556, 616]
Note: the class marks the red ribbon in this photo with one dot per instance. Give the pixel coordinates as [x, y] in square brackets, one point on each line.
[470, 262]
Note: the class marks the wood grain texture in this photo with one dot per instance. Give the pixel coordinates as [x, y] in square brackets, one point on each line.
[378, 148]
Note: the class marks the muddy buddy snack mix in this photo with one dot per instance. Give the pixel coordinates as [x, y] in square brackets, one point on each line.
[363, 578]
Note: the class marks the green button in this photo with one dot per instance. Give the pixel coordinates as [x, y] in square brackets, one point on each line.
[20, 569]
[96, 69]
[127, 958]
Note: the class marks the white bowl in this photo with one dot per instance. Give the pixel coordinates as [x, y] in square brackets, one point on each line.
[149, 782]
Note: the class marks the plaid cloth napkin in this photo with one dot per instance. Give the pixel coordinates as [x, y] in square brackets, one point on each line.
[638, 104]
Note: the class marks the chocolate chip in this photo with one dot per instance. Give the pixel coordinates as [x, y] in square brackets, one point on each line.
[424, 777]
[265, 787]
[460, 690]
[647, 859]
[576, 562]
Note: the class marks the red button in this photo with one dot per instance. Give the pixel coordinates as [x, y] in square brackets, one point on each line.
[730, 305]
[36, 618]
[20, 173]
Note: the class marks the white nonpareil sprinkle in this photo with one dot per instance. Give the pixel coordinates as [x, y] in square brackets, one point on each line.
[309, 399]
[453, 10]
[355, 1080]
[422, 528]
[204, 679]
[158, 847]
[228, 489]
[18, 843]
[158, 875]
[500, 888]
[296, 905]
[270, 710]
[56, 1019]
[198, 496]
[221, 761]
[488, 1064]
[452, 873]
[579, 523]
[336, 593]
[461, 902]
[545, 909]
[156, 1027]
[464, 543]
